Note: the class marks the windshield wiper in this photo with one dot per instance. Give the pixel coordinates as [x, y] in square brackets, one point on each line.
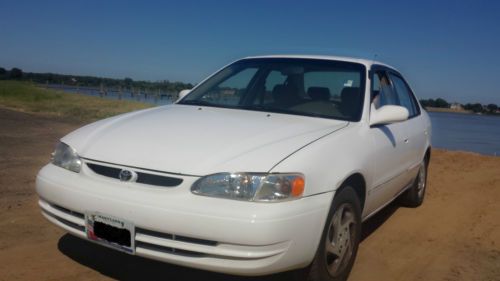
[196, 102]
[259, 107]
[266, 108]
[255, 107]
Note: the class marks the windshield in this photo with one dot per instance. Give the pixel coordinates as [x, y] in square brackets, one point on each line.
[311, 87]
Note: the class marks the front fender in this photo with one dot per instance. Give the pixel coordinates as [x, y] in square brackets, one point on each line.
[328, 162]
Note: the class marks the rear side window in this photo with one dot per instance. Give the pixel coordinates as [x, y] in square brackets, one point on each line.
[404, 95]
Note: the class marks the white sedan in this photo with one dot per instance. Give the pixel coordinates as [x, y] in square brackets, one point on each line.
[269, 165]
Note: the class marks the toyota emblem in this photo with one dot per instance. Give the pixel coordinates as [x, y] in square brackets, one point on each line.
[126, 175]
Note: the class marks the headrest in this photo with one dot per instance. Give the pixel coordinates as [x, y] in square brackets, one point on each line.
[279, 93]
[351, 93]
[319, 93]
[278, 89]
[349, 100]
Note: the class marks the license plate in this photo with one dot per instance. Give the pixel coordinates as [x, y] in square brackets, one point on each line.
[110, 231]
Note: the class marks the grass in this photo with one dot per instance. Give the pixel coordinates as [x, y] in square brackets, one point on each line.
[27, 97]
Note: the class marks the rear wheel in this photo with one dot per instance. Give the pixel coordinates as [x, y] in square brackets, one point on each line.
[339, 243]
[414, 196]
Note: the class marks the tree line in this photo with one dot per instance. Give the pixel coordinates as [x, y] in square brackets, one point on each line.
[91, 81]
[474, 107]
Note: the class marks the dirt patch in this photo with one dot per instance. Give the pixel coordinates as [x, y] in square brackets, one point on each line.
[455, 235]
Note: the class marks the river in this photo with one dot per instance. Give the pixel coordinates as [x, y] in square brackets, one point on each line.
[468, 132]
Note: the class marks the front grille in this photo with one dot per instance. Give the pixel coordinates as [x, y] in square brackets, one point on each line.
[105, 170]
[142, 177]
[157, 180]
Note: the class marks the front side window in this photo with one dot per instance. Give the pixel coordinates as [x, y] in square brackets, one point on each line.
[320, 88]
[382, 91]
[404, 95]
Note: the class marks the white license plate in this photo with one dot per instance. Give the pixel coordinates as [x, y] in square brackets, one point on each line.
[110, 231]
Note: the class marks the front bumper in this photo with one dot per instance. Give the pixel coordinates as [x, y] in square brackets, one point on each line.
[177, 227]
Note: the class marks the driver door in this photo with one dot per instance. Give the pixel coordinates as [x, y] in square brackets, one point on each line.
[389, 146]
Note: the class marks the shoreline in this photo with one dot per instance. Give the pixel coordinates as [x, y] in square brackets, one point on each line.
[448, 110]
[458, 111]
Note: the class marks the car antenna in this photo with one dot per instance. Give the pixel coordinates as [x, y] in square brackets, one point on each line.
[373, 62]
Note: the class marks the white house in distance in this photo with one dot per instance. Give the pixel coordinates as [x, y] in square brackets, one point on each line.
[456, 106]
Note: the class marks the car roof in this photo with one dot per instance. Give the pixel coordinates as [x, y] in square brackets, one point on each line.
[366, 62]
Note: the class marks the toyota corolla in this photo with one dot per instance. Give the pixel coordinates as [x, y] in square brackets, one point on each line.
[269, 165]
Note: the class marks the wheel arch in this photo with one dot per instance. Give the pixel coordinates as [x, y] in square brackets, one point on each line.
[427, 155]
[358, 183]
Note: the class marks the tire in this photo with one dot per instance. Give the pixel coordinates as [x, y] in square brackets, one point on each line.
[414, 196]
[335, 254]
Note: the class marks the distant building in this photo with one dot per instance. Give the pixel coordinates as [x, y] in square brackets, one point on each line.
[456, 106]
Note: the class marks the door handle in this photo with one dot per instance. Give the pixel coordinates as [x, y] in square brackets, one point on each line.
[407, 141]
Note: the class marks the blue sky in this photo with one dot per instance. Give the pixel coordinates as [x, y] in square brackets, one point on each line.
[445, 49]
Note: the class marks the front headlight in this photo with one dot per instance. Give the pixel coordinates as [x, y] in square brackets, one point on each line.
[65, 157]
[251, 186]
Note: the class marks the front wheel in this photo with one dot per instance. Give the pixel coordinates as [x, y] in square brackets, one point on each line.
[414, 196]
[340, 239]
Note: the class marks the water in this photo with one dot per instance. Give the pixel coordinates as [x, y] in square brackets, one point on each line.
[155, 98]
[453, 131]
[468, 132]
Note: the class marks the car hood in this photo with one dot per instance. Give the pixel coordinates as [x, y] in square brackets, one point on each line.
[195, 140]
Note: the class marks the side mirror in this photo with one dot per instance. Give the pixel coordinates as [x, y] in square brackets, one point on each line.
[388, 114]
[183, 93]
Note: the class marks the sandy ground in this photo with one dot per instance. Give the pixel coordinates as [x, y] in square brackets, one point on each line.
[455, 235]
